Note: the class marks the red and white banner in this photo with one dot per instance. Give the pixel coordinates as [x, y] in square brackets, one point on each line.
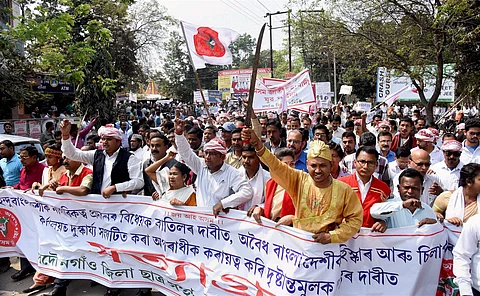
[135, 242]
[296, 93]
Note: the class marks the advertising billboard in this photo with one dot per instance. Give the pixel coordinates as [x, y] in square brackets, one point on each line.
[236, 83]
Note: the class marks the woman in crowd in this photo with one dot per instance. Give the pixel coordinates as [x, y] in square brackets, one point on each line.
[179, 193]
[55, 169]
[463, 203]
[52, 173]
[278, 203]
[337, 157]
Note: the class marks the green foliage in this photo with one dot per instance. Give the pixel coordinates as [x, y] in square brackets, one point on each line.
[243, 51]
[395, 34]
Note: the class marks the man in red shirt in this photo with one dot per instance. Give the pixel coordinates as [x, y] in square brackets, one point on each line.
[369, 189]
[31, 172]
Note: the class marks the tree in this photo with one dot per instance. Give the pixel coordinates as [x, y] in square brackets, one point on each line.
[14, 74]
[243, 51]
[150, 23]
[87, 42]
[406, 35]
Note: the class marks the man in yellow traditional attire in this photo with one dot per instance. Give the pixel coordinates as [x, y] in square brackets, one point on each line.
[324, 206]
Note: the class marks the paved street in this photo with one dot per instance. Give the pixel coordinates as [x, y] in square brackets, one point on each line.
[76, 288]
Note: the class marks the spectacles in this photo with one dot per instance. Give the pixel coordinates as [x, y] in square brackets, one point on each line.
[421, 164]
[454, 153]
[370, 163]
[473, 134]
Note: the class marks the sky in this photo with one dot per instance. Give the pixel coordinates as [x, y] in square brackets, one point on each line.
[243, 16]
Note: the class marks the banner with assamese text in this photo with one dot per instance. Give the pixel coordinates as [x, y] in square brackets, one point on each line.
[135, 242]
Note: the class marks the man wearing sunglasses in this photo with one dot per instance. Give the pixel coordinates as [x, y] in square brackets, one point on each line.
[448, 171]
[470, 149]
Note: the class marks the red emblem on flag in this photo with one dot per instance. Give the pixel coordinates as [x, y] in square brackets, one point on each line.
[207, 43]
[10, 229]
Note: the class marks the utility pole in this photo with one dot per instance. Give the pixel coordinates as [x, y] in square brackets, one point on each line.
[271, 46]
[269, 15]
[289, 44]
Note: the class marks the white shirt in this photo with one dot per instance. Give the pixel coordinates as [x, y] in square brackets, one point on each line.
[225, 185]
[428, 181]
[449, 178]
[468, 157]
[125, 135]
[397, 216]
[436, 155]
[134, 166]
[466, 257]
[363, 187]
[139, 153]
[393, 170]
[257, 182]
[338, 133]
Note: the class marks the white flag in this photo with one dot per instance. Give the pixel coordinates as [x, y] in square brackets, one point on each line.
[208, 45]
[393, 97]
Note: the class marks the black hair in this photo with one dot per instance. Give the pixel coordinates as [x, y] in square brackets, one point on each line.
[403, 152]
[410, 173]
[57, 134]
[420, 118]
[468, 173]
[367, 149]
[49, 124]
[196, 131]
[337, 117]
[377, 116]
[307, 118]
[448, 135]
[249, 148]
[472, 122]
[338, 148]
[383, 134]
[237, 131]
[304, 133]
[407, 119]
[275, 123]
[349, 123]
[321, 127]
[166, 142]
[8, 123]
[349, 135]
[168, 125]
[367, 139]
[282, 152]
[184, 170]
[31, 150]
[8, 143]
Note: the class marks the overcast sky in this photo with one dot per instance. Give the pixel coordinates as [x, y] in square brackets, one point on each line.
[243, 16]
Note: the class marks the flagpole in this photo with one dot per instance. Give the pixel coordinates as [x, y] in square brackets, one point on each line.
[450, 109]
[201, 93]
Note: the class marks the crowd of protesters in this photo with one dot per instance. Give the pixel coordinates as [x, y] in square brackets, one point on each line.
[391, 170]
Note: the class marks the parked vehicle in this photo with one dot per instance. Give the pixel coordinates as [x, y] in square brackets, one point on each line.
[21, 142]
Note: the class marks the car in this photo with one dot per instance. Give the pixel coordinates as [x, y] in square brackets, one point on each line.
[21, 142]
